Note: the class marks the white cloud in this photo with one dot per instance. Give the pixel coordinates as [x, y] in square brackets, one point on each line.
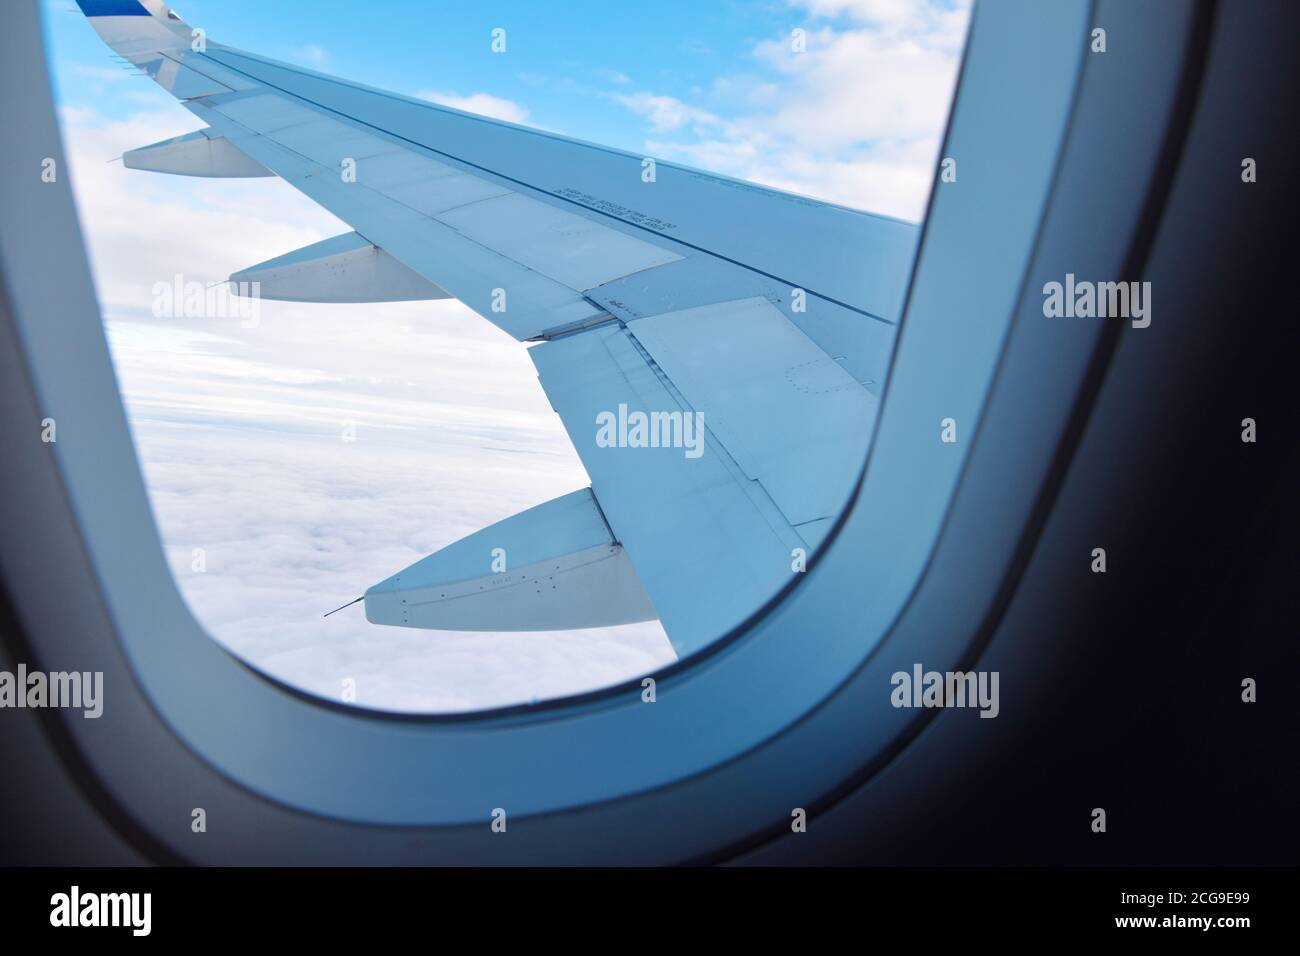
[934, 22]
[484, 104]
[666, 113]
[239, 434]
[101, 75]
[856, 119]
[119, 79]
[615, 76]
[311, 55]
[859, 86]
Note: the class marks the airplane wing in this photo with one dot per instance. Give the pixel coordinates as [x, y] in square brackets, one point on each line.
[715, 349]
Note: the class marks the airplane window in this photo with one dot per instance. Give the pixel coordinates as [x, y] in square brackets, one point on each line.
[559, 415]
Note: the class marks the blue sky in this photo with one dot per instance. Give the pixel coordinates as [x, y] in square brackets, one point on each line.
[562, 61]
[238, 429]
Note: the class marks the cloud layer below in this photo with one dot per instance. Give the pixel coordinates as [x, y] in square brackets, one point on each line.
[241, 436]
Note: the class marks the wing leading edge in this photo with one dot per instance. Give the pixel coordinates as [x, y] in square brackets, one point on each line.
[716, 350]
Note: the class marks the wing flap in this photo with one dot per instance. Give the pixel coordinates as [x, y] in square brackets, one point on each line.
[788, 413]
[707, 542]
[179, 80]
[424, 184]
[574, 251]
